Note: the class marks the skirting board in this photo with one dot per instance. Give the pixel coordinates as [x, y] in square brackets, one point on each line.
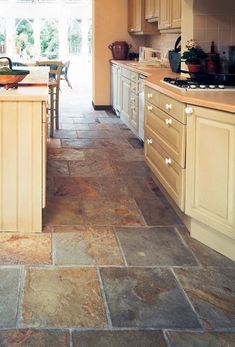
[102, 107]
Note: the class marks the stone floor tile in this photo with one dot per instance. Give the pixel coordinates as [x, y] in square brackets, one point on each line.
[53, 143]
[155, 212]
[90, 168]
[113, 187]
[67, 126]
[69, 228]
[132, 168]
[118, 339]
[206, 256]
[65, 134]
[63, 211]
[25, 248]
[64, 297]
[79, 126]
[78, 143]
[140, 297]
[154, 246]
[198, 339]
[83, 187]
[98, 154]
[86, 120]
[65, 154]
[34, 338]
[212, 293]
[138, 187]
[112, 143]
[110, 120]
[9, 284]
[112, 212]
[100, 126]
[93, 134]
[57, 168]
[136, 143]
[93, 246]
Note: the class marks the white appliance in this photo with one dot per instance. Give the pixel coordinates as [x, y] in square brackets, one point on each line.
[149, 55]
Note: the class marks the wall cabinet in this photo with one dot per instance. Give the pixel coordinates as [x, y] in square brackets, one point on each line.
[151, 10]
[210, 175]
[169, 14]
[136, 19]
[23, 136]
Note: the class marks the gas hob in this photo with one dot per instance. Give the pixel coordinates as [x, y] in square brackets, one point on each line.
[191, 84]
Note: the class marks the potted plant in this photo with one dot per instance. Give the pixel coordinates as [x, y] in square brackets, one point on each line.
[193, 56]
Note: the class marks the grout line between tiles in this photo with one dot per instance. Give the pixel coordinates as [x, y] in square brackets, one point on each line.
[53, 250]
[187, 246]
[70, 338]
[120, 246]
[166, 338]
[20, 296]
[108, 316]
[187, 298]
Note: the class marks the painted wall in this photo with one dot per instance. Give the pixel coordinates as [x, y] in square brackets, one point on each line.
[109, 25]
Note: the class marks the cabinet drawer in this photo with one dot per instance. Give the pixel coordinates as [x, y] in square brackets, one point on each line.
[167, 104]
[167, 131]
[126, 73]
[167, 171]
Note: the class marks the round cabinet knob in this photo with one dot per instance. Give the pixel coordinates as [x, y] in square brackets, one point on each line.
[132, 29]
[168, 106]
[149, 95]
[149, 108]
[188, 110]
[168, 161]
[149, 141]
[168, 121]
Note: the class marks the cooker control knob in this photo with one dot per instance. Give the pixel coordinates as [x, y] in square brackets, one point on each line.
[188, 110]
[149, 141]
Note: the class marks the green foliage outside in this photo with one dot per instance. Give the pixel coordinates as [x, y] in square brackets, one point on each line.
[24, 37]
[49, 39]
[75, 37]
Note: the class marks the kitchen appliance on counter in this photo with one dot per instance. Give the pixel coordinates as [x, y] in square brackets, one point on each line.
[199, 84]
[174, 56]
[120, 50]
[149, 55]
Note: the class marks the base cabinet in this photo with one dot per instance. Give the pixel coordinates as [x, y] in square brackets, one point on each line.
[210, 174]
[115, 88]
[22, 165]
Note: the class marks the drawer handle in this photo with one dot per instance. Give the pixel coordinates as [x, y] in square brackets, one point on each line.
[149, 141]
[168, 161]
[168, 106]
[168, 121]
[149, 95]
[188, 110]
[149, 108]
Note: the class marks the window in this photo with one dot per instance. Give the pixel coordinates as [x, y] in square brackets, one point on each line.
[24, 37]
[74, 36]
[49, 38]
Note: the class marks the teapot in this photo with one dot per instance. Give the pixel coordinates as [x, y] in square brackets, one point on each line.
[119, 50]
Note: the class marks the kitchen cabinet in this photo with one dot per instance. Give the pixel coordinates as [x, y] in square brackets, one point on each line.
[136, 19]
[165, 136]
[115, 88]
[169, 14]
[210, 177]
[151, 10]
[23, 129]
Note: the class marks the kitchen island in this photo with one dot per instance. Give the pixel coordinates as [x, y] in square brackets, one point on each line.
[190, 149]
[23, 136]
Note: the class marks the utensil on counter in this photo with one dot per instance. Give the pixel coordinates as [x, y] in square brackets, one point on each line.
[9, 78]
[174, 56]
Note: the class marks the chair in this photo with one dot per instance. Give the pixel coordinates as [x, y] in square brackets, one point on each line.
[54, 90]
[64, 73]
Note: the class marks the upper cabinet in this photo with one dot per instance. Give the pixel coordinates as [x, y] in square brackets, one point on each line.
[169, 14]
[136, 22]
[151, 10]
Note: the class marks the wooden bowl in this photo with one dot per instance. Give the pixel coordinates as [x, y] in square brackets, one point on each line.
[12, 76]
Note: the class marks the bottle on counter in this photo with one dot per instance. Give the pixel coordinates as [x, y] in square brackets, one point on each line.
[212, 61]
[224, 63]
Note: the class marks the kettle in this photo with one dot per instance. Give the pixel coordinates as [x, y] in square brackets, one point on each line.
[119, 50]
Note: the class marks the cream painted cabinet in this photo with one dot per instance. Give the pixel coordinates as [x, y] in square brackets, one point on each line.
[115, 88]
[210, 177]
[125, 99]
[151, 10]
[136, 19]
[169, 14]
[23, 136]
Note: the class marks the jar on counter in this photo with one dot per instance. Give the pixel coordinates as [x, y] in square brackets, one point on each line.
[212, 63]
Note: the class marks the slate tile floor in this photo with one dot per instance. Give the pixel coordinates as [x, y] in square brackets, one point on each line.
[114, 265]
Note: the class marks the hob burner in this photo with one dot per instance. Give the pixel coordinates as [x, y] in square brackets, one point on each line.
[193, 84]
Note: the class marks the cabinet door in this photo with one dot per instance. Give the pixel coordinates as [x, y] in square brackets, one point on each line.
[175, 13]
[125, 99]
[210, 169]
[156, 9]
[131, 15]
[149, 9]
[164, 14]
[114, 85]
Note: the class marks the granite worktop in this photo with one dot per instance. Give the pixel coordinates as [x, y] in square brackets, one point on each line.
[220, 100]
